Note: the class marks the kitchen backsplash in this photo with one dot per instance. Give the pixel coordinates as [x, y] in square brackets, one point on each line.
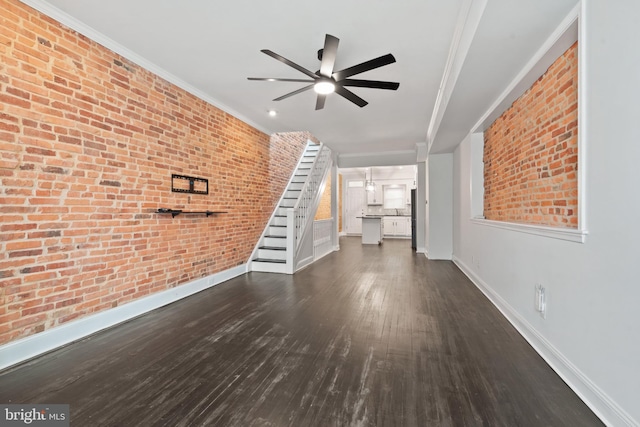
[379, 210]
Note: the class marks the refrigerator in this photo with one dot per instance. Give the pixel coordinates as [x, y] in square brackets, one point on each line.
[413, 219]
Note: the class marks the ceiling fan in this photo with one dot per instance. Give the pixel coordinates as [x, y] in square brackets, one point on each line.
[326, 80]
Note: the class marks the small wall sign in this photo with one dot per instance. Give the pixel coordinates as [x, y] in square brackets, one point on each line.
[189, 184]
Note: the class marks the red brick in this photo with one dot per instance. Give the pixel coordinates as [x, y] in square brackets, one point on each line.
[542, 123]
[91, 157]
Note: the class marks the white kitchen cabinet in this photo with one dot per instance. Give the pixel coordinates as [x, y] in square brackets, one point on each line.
[371, 230]
[397, 226]
[403, 226]
[388, 225]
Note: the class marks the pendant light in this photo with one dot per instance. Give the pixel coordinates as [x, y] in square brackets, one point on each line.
[369, 185]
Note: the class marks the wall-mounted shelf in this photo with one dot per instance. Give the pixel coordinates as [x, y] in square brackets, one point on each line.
[176, 212]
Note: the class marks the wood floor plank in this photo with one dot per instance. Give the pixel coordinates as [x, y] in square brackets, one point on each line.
[367, 336]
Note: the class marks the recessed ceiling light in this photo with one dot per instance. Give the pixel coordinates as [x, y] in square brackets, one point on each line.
[272, 113]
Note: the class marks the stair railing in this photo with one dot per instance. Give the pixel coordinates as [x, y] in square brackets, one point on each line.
[301, 215]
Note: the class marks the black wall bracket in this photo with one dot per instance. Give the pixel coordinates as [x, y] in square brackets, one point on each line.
[189, 184]
[176, 212]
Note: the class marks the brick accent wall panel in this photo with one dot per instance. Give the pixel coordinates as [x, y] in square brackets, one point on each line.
[324, 208]
[531, 152]
[88, 143]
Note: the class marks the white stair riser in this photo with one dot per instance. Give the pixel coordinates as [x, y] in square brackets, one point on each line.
[272, 254]
[268, 267]
[299, 179]
[279, 220]
[296, 186]
[292, 193]
[275, 242]
[282, 211]
[277, 231]
[287, 203]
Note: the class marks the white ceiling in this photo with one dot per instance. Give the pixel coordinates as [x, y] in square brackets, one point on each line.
[211, 47]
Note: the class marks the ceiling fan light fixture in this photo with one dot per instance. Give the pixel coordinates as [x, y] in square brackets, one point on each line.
[324, 87]
[327, 80]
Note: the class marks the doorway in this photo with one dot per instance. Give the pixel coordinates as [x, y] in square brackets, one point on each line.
[355, 207]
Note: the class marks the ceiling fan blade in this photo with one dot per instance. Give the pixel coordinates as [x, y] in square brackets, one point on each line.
[365, 66]
[289, 63]
[320, 101]
[271, 79]
[346, 93]
[374, 84]
[295, 92]
[329, 55]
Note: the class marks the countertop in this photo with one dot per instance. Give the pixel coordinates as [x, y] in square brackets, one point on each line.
[381, 216]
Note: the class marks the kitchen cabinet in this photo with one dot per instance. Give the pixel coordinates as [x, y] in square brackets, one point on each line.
[398, 226]
[371, 230]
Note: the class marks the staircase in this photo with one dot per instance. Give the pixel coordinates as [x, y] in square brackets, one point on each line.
[276, 250]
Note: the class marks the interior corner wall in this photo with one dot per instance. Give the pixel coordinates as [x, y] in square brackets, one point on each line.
[440, 206]
[88, 144]
[422, 213]
[589, 333]
[340, 197]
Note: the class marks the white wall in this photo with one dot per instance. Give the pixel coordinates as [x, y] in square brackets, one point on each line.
[591, 334]
[422, 218]
[440, 206]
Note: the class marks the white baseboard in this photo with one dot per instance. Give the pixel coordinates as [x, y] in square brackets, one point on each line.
[304, 262]
[333, 249]
[596, 399]
[439, 257]
[27, 348]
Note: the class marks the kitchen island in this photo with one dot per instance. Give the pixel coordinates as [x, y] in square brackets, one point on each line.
[371, 229]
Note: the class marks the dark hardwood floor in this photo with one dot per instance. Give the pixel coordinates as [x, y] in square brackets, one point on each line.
[367, 336]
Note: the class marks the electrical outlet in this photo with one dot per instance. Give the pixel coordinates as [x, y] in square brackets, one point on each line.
[541, 301]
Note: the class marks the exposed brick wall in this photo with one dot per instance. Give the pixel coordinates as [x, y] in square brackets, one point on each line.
[290, 146]
[531, 152]
[324, 208]
[88, 143]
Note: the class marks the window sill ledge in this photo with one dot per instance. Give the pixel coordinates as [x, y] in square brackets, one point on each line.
[568, 234]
